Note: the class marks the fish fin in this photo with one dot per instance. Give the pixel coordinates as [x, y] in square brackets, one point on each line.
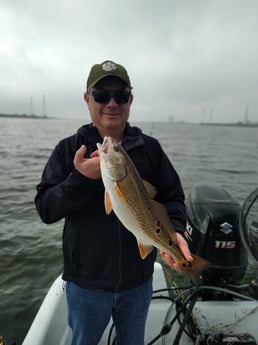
[119, 192]
[161, 213]
[195, 267]
[150, 189]
[107, 202]
[144, 249]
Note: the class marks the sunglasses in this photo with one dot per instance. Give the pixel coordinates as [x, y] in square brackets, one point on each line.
[104, 96]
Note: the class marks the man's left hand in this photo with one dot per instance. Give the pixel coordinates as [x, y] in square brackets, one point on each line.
[183, 246]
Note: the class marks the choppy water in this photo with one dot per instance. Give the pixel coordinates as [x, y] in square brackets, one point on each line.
[30, 252]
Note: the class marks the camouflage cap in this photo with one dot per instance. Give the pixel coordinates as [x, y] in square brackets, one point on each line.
[106, 69]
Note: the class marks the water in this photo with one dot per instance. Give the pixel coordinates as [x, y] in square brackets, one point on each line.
[30, 251]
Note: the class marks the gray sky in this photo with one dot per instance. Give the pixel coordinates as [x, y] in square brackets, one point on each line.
[194, 60]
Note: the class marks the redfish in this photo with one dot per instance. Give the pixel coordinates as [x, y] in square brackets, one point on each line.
[132, 200]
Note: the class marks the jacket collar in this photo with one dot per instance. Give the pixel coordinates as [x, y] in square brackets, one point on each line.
[132, 138]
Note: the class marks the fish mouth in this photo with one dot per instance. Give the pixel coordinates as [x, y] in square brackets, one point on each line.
[104, 146]
[107, 143]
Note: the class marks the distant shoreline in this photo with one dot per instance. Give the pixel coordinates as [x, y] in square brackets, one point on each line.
[23, 116]
[230, 124]
[214, 124]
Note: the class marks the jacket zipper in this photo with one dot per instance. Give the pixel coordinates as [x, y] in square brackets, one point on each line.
[119, 281]
[75, 248]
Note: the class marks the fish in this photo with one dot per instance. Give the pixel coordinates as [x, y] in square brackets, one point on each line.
[132, 200]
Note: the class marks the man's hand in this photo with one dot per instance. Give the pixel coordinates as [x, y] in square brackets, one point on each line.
[183, 246]
[89, 167]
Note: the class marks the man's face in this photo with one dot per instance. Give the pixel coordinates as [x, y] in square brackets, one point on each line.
[109, 113]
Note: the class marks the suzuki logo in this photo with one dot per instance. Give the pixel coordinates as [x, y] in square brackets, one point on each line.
[226, 228]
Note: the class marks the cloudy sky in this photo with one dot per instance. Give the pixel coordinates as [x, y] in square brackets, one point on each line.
[191, 60]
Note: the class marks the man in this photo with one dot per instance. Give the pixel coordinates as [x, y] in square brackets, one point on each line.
[104, 272]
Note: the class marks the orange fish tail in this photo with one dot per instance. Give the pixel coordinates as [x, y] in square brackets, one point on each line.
[195, 267]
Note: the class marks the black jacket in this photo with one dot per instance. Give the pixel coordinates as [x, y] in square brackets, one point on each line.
[98, 251]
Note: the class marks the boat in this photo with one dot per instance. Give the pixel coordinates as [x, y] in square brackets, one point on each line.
[211, 320]
[220, 309]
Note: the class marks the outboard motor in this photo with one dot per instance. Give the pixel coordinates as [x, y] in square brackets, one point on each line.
[213, 220]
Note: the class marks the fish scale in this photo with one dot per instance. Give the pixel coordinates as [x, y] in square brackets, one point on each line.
[144, 216]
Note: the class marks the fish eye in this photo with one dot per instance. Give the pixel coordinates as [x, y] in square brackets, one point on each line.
[116, 148]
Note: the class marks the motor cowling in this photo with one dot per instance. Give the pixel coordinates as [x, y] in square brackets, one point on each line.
[213, 221]
[249, 224]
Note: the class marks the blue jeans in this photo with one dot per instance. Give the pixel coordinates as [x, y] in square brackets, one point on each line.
[89, 312]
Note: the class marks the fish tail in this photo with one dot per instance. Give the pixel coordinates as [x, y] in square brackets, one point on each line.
[194, 268]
